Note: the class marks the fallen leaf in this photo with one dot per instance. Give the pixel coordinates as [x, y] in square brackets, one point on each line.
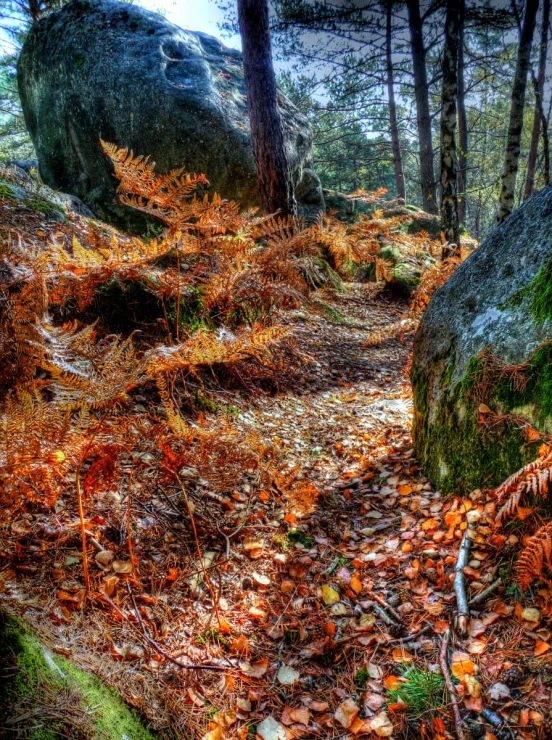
[256, 670]
[382, 725]
[122, 566]
[346, 713]
[271, 729]
[288, 675]
[499, 691]
[225, 719]
[541, 647]
[329, 595]
[531, 614]
[215, 734]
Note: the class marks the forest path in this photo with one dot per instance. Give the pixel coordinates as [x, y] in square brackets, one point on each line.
[311, 618]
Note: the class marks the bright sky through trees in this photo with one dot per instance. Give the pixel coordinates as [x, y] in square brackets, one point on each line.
[195, 15]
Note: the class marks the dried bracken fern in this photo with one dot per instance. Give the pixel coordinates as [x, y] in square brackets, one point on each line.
[534, 557]
[533, 478]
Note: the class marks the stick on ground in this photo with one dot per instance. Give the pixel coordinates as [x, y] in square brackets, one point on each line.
[450, 687]
[463, 610]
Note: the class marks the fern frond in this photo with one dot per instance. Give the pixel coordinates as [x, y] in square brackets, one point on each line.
[534, 557]
[531, 478]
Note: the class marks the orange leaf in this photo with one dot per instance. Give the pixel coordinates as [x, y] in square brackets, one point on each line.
[356, 584]
[541, 647]
[462, 668]
[290, 519]
[390, 682]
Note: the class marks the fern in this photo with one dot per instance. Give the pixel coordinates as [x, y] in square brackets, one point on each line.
[533, 478]
[534, 557]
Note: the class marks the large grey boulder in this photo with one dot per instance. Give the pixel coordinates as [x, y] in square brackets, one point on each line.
[495, 312]
[104, 69]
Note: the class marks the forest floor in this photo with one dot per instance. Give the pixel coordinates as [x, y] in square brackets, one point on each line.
[327, 624]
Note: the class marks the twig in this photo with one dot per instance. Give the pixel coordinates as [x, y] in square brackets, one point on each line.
[82, 530]
[496, 721]
[395, 614]
[238, 529]
[383, 615]
[408, 638]
[450, 687]
[463, 611]
[196, 538]
[159, 649]
[482, 595]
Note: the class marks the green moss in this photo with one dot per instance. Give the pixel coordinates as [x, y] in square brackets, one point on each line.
[300, 538]
[6, 191]
[457, 452]
[541, 294]
[361, 678]
[42, 206]
[39, 677]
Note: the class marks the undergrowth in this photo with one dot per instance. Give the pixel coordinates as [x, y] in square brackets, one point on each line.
[421, 691]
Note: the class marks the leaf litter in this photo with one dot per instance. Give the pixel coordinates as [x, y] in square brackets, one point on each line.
[324, 615]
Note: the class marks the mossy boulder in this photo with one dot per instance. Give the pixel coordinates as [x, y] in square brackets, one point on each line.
[117, 71]
[485, 341]
[45, 696]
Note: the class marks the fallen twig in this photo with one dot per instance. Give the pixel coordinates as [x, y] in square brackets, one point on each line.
[496, 721]
[395, 614]
[158, 649]
[482, 595]
[450, 687]
[463, 611]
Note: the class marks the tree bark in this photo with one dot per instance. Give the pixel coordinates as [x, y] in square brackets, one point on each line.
[513, 145]
[421, 90]
[462, 121]
[395, 141]
[449, 192]
[273, 170]
[539, 119]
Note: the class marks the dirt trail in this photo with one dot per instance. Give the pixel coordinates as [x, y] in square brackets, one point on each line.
[312, 618]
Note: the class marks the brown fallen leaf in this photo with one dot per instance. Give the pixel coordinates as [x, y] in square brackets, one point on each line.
[346, 713]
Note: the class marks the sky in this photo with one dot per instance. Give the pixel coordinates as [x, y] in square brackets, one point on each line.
[193, 15]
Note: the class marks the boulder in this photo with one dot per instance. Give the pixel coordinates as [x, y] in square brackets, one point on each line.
[482, 365]
[105, 69]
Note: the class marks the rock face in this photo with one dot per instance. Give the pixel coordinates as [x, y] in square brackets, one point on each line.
[494, 313]
[104, 69]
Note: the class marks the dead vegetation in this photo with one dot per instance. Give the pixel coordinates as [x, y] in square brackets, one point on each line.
[217, 511]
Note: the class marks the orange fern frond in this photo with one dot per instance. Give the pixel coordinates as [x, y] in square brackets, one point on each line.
[534, 557]
[533, 478]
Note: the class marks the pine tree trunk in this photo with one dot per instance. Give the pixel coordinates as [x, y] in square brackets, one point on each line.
[462, 121]
[395, 141]
[449, 193]
[275, 182]
[513, 145]
[539, 120]
[421, 90]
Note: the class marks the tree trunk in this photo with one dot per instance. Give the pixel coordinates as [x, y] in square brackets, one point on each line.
[449, 193]
[462, 121]
[275, 182]
[421, 89]
[539, 119]
[395, 141]
[513, 145]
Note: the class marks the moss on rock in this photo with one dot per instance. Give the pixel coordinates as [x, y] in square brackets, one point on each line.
[44, 696]
[462, 454]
